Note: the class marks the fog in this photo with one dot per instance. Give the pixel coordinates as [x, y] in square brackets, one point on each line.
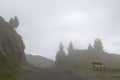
[45, 23]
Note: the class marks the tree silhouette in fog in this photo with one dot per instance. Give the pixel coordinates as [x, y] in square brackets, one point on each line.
[80, 56]
[70, 48]
[61, 56]
[98, 46]
[14, 22]
[90, 48]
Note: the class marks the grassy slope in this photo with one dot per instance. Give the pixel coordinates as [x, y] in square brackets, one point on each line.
[6, 71]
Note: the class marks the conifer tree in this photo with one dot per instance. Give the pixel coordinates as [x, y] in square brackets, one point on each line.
[61, 46]
[90, 47]
[98, 45]
[60, 56]
[70, 48]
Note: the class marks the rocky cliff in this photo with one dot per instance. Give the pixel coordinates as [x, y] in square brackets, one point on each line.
[11, 44]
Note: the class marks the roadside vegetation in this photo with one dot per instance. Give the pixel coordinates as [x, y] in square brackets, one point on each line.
[6, 71]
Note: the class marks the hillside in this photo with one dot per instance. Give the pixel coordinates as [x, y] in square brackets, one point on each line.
[39, 61]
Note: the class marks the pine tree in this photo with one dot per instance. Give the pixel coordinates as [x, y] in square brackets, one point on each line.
[90, 47]
[98, 45]
[60, 57]
[61, 46]
[70, 48]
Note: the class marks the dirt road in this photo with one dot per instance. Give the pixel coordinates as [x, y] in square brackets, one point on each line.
[68, 74]
[50, 74]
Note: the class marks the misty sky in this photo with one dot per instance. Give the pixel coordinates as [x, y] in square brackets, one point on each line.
[46, 23]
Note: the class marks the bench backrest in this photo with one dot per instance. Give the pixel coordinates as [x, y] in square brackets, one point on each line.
[97, 63]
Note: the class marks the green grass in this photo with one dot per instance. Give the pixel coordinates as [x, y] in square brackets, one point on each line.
[6, 71]
[103, 77]
[113, 70]
[78, 67]
[9, 74]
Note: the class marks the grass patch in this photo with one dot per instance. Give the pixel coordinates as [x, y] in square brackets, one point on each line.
[7, 72]
[115, 77]
[110, 77]
[113, 70]
[78, 67]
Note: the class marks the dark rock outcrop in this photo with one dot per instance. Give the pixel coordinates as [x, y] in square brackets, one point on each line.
[11, 45]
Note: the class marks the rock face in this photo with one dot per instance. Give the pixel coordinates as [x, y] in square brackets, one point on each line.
[11, 44]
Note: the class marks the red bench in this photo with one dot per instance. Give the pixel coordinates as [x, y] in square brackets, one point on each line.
[98, 66]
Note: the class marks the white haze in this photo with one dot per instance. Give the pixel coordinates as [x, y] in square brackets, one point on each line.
[46, 23]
